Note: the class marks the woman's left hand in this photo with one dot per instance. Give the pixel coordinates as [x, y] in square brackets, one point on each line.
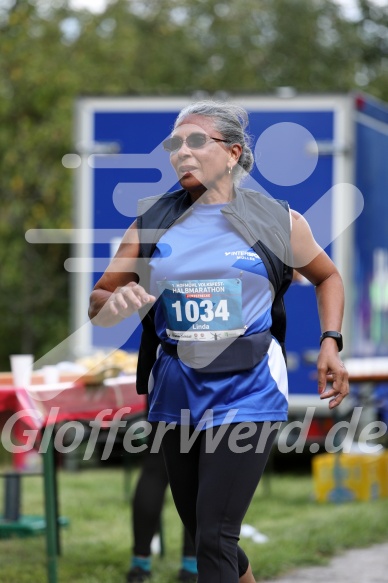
[331, 369]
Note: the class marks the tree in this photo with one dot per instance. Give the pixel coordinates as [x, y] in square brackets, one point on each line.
[34, 186]
[372, 48]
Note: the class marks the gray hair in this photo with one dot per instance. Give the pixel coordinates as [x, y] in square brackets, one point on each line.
[231, 121]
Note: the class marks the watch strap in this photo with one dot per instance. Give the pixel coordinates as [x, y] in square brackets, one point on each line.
[337, 336]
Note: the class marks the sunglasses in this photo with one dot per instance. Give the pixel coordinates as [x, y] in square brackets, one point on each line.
[193, 141]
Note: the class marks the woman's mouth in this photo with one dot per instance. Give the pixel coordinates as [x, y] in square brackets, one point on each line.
[184, 170]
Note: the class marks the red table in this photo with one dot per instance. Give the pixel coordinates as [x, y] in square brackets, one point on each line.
[40, 407]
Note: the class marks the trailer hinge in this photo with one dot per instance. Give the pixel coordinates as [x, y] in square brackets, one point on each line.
[328, 148]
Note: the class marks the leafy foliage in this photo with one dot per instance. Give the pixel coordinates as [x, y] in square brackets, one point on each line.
[50, 54]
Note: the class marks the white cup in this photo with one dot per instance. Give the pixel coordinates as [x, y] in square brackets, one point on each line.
[50, 374]
[21, 367]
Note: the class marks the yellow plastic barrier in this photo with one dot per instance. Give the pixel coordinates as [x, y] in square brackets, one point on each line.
[344, 476]
[382, 460]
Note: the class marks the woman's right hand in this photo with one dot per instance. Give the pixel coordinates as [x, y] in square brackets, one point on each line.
[127, 299]
[117, 295]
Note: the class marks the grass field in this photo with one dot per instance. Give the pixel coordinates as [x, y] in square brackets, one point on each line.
[96, 545]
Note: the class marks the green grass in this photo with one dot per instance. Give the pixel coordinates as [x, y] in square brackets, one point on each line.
[96, 545]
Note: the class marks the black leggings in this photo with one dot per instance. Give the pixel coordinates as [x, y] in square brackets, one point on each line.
[148, 504]
[212, 492]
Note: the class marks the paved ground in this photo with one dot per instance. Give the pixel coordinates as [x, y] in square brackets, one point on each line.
[356, 566]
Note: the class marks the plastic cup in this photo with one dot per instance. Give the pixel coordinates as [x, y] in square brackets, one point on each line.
[50, 374]
[21, 367]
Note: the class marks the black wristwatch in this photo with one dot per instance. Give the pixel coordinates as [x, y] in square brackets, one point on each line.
[337, 337]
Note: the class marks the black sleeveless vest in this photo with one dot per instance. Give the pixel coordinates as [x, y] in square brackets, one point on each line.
[264, 223]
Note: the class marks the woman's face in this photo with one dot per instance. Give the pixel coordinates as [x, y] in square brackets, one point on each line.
[204, 168]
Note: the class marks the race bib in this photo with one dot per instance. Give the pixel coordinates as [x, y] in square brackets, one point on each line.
[202, 309]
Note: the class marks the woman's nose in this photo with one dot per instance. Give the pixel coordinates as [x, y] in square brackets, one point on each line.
[184, 150]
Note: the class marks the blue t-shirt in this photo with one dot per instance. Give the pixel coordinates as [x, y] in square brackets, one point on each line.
[213, 285]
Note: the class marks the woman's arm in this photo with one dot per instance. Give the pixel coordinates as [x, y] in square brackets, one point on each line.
[313, 263]
[117, 294]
